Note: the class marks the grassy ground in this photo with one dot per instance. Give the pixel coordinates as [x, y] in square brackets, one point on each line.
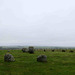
[59, 63]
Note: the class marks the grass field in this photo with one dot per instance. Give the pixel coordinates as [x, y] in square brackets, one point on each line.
[59, 63]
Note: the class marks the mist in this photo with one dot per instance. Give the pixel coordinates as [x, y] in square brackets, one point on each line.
[37, 23]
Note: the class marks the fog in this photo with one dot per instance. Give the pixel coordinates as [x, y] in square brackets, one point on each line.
[37, 22]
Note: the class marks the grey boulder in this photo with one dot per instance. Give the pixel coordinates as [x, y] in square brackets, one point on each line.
[31, 50]
[8, 58]
[42, 58]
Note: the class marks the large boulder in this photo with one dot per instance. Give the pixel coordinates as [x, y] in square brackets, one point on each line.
[31, 50]
[8, 57]
[42, 58]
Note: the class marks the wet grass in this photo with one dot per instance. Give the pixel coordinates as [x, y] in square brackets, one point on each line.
[59, 63]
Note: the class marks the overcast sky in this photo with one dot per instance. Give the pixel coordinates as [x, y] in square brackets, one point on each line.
[37, 22]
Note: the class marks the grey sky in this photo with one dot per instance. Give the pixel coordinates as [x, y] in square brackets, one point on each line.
[37, 22]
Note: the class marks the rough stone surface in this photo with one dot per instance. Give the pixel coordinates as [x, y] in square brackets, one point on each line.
[42, 58]
[8, 57]
[31, 50]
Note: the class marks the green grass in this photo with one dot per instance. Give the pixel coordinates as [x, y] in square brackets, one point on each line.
[59, 63]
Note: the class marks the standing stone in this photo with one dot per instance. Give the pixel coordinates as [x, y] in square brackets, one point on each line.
[42, 58]
[8, 58]
[31, 50]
